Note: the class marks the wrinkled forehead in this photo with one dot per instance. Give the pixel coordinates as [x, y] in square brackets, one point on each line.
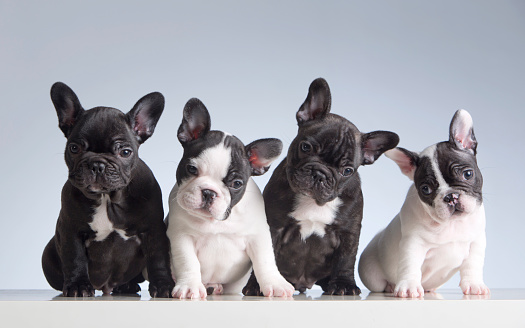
[336, 137]
[218, 153]
[102, 126]
[440, 159]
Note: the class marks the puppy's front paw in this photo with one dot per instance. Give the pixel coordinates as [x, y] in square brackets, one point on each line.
[192, 290]
[342, 287]
[78, 288]
[161, 287]
[474, 287]
[409, 288]
[277, 287]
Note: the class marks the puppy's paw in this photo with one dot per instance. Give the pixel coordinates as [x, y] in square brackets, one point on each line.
[409, 289]
[127, 288]
[192, 290]
[214, 289]
[342, 287]
[474, 287]
[78, 288]
[161, 287]
[277, 287]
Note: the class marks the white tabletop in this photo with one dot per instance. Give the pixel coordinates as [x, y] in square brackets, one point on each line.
[47, 308]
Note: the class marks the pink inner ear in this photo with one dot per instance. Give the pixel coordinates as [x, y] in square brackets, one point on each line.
[403, 161]
[256, 161]
[463, 136]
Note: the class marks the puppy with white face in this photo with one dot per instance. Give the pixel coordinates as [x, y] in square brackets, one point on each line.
[217, 223]
[441, 226]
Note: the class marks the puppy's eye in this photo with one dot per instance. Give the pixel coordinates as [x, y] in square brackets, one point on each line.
[74, 148]
[347, 171]
[236, 184]
[306, 147]
[192, 169]
[426, 190]
[126, 152]
[468, 174]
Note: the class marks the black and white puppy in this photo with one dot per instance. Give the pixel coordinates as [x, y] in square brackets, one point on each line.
[217, 223]
[110, 226]
[441, 226]
[314, 201]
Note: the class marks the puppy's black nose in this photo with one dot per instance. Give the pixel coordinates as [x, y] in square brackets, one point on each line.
[319, 176]
[451, 199]
[97, 167]
[208, 195]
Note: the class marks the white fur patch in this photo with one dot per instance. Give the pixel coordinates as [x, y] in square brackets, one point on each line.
[101, 224]
[430, 152]
[212, 166]
[313, 218]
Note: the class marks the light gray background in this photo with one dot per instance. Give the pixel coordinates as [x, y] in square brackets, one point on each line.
[404, 66]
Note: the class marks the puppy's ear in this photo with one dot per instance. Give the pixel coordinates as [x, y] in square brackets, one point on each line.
[67, 106]
[262, 153]
[375, 143]
[317, 103]
[196, 121]
[462, 132]
[405, 159]
[143, 117]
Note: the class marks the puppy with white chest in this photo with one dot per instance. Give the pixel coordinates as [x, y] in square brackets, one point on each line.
[110, 225]
[314, 201]
[441, 226]
[216, 222]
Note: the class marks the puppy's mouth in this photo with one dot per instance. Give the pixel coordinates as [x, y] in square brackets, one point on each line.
[94, 183]
[318, 184]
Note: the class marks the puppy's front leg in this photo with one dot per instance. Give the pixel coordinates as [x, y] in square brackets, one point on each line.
[271, 282]
[471, 270]
[73, 255]
[186, 268]
[412, 254]
[342, 280]
[156, 249]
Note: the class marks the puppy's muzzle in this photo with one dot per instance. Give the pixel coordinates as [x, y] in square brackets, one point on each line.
[452, 200]
[97, 167]
[208, 196]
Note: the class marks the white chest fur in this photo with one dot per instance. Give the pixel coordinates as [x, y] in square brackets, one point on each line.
[313, 218]
[101, 224]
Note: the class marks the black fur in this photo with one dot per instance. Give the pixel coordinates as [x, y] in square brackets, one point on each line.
[326, 148]
[102, 158]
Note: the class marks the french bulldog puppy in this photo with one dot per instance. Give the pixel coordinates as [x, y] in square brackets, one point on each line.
[110, 226]
[216, 222]
[314, 201]
[441, 226]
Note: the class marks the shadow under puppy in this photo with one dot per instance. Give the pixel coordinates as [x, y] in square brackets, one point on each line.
[314, 201]
[441, 226]
[217, 224]
[110, 225]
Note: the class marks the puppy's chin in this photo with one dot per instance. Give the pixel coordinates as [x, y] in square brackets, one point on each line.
[93, 188]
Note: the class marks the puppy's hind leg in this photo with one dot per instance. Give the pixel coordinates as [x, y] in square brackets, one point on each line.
[52, 266]
[371, 273]
[131, 287]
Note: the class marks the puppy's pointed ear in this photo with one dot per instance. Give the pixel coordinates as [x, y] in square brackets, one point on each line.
[405, 159]
[143, 117]
[262, 153]
[196, 121]
[67, 106]
[376, 143]
[317, 103]
[462, 132]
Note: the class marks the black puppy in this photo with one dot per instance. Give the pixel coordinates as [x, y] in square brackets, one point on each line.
[110, 226]
[313, 200]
